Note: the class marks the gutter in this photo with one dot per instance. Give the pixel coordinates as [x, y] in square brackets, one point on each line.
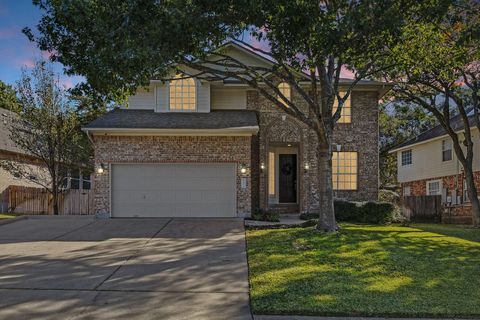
[246, 131]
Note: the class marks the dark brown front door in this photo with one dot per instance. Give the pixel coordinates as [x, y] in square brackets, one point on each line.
[287, 178]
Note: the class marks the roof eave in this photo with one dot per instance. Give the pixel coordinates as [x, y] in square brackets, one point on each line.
[233, 131]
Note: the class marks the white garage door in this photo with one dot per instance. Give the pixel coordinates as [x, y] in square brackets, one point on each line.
[173, 190]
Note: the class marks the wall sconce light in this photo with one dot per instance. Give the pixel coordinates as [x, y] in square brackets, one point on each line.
[243, 169]
[262, 166]
[339, 147]
[101, 169]
[306, 167]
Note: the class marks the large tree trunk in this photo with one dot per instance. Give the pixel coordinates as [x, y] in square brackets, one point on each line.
[472, 195]
[326, 221]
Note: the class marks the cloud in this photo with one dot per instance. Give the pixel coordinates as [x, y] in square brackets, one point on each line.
[27, 62]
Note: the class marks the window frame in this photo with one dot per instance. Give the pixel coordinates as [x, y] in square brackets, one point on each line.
[195, 95]
[402, 157]
[337, 172]
[405, 193]
[444, 141]
[439, 187]
[286, 89]
[347, 105]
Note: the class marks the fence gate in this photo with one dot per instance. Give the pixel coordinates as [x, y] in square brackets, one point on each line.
[422, 208]
[29, 200]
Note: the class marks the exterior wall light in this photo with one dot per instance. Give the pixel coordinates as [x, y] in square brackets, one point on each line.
[306, 167]
[262, 166]
[243, 169]
[101, 168]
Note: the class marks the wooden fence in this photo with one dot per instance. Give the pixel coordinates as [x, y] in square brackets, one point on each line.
[422, 208]
[29, 200]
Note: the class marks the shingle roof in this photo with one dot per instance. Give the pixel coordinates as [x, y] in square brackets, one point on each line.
[6, 144]
[456, 122]
[149, 119]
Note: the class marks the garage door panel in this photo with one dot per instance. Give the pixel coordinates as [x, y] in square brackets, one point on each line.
[174, 190]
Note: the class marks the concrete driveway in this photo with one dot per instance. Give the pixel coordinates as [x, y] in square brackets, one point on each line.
[81, 268]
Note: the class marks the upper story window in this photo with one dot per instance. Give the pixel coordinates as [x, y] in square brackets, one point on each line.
[284, 88]
[344, 166]
[407, 157]
[182, 94]
[446, 150]
[346, 114]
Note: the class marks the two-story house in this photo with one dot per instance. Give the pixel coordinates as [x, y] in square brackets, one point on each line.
[427, 165]
[195, 148]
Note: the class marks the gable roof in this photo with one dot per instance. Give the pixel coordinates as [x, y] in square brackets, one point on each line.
[438, 131]
[6, 144]
[127, 119]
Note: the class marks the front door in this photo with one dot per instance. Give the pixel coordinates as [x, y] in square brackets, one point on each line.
[287, 178]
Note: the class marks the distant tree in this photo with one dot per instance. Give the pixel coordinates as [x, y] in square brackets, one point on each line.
[8, 98]
[119, 46]
[399, 122]
[47, 129]
[437, 67]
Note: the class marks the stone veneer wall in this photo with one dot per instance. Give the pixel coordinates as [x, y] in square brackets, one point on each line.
[361, 136]
[171, 149]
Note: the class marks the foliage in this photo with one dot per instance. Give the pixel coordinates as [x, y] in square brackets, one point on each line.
[364, 212]
[436, 67]
[383, 271]
[398, 122]
[47, 130]
[8, 98]
[265, 215]
[120, 46]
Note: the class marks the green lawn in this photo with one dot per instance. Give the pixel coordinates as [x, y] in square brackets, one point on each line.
[7, 215]
[422, 270]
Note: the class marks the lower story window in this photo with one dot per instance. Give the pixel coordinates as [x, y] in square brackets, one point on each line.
[406, 191]
[344, 167]
[434, 188]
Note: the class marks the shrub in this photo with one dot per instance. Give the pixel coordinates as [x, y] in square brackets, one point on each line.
[308, 216]
[364, 212]
[265, 215]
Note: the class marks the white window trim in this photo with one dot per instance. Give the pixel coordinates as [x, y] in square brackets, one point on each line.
[407, 194]
[411, 158]
[439, 187]
[167, 83]
[451, 150]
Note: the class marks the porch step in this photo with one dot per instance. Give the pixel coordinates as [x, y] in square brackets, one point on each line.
[286, 208]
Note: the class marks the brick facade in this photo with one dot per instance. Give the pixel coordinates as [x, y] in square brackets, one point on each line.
[460, 213]
[276, 129]
[171, 149]
[361, 135]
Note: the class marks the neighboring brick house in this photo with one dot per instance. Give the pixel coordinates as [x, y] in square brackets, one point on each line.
[427, 165]
[190, 147]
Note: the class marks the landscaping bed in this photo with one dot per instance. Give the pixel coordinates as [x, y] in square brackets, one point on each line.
[421, 270]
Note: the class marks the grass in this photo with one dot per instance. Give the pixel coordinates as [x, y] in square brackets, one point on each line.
[7, 216]
[421, 270]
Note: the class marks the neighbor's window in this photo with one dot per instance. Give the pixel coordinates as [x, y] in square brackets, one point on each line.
[271, 173]
[406, 191]
[434, 188]
[465, 191]
[344, 166]
[446, 150]
[182, 94]
[406, 157]
[284, 88]
[346, 114]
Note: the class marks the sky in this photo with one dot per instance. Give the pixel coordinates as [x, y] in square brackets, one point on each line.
[16, 51]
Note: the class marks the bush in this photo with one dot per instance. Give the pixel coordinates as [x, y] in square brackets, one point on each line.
[308, 216]
[265, 215]
[364, 212]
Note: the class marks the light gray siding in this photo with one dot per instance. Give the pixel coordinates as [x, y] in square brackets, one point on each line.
[229, 98]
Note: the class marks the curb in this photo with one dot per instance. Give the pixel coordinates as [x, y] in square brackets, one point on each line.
[12, 220]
